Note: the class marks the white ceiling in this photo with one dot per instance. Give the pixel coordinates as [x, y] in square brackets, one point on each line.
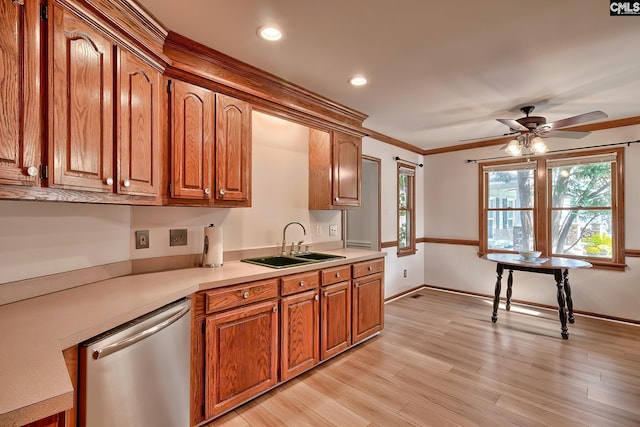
[439, 71]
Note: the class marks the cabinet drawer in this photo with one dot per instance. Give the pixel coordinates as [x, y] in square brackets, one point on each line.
[300, 282]
[235, 296]
[335, 275]
[368, 267]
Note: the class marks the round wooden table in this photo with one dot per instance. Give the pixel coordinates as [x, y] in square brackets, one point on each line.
[557, 266]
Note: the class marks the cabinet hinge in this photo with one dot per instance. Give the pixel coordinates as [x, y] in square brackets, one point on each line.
[44, 12]
[169, 86]
[44, 172]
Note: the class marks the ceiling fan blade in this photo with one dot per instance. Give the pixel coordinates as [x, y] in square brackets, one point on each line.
[564, 134]
[513, 124]
[575, 120]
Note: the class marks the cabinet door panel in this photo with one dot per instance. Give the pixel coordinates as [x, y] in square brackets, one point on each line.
[368, 307]
[241, 355]
[138, 113]
[300, 348]
[81, 82]
[233, 149]
[192, 121]
[20, 141]
[336, 319]
[347, 169]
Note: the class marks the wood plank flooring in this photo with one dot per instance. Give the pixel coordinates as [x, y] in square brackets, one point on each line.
[441, 362]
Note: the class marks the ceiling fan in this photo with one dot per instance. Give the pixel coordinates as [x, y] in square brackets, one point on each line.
[528, 131]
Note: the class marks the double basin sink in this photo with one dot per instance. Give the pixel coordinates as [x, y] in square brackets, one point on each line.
[284, 261]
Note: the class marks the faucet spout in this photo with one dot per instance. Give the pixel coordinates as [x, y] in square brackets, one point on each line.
[284, 235]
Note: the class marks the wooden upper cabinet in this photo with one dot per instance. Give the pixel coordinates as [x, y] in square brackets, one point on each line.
[335, 170]
[80, 104]
[138, 124]
[232, 152]
[20, 130]
[192, 137]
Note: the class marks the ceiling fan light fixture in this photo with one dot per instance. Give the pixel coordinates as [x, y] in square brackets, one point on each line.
[514, 148]
[538, 146]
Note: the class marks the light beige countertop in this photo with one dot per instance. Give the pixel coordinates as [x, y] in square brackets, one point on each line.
[34, 381]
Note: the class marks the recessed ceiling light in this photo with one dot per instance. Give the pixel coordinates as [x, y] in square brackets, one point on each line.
[358, 80]
[270, 33]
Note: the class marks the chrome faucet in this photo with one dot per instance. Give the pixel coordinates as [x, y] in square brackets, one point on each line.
[284, 234]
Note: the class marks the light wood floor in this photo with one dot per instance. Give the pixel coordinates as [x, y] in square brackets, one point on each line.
[441, 362]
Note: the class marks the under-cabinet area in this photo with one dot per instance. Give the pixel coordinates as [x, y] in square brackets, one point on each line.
[248, 338]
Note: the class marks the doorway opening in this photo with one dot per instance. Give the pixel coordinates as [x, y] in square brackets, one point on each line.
[362, 225]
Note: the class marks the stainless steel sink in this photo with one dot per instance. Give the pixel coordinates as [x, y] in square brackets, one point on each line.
[282, 261]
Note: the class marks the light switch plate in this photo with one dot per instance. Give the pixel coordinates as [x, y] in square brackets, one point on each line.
[178, 237]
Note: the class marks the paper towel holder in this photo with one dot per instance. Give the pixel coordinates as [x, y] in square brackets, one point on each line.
[205, 252]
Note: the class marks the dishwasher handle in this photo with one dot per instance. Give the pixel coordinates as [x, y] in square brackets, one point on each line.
[112, 348]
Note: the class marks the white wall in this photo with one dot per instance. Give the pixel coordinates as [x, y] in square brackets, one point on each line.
[395, 282]
[40, 238]
[451, 211]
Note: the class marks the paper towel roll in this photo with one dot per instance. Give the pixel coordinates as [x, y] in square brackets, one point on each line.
[212, 255]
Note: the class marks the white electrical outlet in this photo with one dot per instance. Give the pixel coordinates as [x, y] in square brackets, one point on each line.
[333, 230]
[318, 230]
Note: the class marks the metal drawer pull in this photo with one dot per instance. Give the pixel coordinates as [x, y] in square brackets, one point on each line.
[370, 268]
[112, 348]
[245, 295]
[301, 282]
[337, 274]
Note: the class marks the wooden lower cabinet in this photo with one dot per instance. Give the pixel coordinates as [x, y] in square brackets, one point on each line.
[300, 342]
[336, 319]
[368, 306]
[241, 355]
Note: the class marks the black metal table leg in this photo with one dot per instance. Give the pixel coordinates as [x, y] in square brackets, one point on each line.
[496, 298]
[557, 274]
[567, 292]
[509, 290]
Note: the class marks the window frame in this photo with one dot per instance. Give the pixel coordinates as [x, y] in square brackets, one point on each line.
[543, 210]
[410, 249]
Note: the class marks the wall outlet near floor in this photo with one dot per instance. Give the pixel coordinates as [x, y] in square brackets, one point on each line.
[142, 239]
[178, 237]
[333, 230]
[404, 273]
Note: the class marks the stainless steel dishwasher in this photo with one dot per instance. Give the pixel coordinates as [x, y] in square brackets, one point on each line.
[137, 374]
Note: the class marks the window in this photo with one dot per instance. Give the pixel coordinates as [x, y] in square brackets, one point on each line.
[568, 206]
[406, 210]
